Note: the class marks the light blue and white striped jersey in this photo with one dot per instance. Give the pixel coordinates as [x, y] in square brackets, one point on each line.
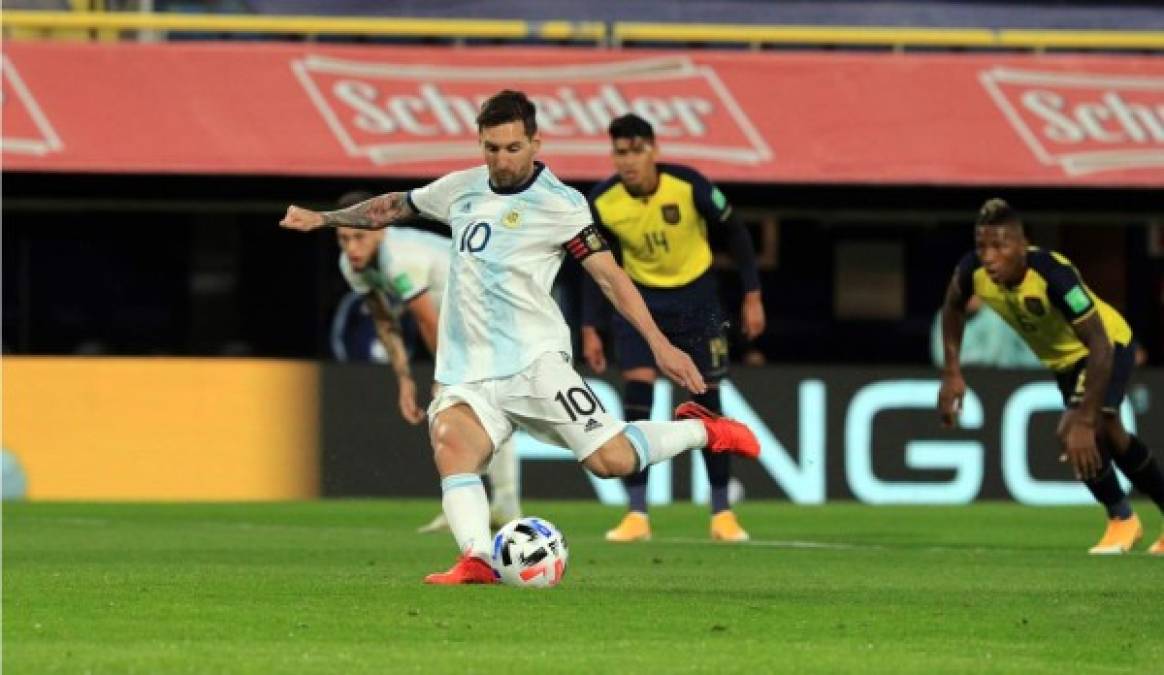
[408, 263]
[498, 315]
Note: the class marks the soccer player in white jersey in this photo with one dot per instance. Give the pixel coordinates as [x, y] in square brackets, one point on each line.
[409, 268]
[505, 352]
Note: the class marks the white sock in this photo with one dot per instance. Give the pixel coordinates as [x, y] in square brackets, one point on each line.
[503, 479]
[467, 509]
[656, 442]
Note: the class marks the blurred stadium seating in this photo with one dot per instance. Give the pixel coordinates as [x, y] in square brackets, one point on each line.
[899, 25]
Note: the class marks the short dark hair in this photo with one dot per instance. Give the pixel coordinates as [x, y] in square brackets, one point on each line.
[352, 198]
[630, 126]
[508, 105]
[996, 212]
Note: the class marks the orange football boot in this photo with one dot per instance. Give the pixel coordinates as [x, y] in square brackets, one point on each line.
[635, 526]
[1119, 537]
[469, 569]
[723, 434]
[725, 527]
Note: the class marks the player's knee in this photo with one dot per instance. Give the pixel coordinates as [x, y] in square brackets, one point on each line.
[441, 435]
[615, 458]
[450, 447]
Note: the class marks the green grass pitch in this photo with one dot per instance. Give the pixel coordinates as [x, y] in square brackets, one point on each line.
[334, 587]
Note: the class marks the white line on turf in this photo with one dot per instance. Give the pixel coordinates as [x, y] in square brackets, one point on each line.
[769, 543]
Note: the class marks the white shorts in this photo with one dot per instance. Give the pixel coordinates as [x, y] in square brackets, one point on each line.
[548, 399]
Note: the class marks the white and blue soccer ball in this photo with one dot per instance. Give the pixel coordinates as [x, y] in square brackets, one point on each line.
[530, 552]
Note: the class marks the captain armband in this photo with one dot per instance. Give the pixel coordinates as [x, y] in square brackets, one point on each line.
[586, 243]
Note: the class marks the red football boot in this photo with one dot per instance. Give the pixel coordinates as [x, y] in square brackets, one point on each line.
[723, 434]
[468, 570]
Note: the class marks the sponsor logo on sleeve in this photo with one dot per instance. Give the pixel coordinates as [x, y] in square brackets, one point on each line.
[718, 199]
[1078, 300]
[403, 284]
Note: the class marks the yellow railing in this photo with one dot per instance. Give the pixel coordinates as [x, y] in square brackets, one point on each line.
[51, 24]
[1082, 39]
[897, 38]
[48, 23]
[802, 35]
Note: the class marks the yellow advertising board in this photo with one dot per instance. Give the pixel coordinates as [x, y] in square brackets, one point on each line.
[163, 428]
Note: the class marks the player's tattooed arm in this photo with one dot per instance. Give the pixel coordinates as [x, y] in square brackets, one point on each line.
[953, 325]
[373, 214]
[388, 330]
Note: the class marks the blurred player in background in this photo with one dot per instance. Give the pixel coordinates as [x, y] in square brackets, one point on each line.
[657, 216]
[403, 269]
[1081, 338]
[504, 357]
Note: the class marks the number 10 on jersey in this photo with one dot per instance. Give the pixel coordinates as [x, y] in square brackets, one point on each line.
[475, 237]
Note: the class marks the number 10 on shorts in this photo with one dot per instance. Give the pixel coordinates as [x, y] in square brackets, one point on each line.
[579, 401]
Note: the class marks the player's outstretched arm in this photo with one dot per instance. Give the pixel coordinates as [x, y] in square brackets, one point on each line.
[595, 311]
[1077, 431]
[953, 325]
[372, 214]
[387, 329]
[625, 298]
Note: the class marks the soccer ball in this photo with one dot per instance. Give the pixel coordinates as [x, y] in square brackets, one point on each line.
[530, 552]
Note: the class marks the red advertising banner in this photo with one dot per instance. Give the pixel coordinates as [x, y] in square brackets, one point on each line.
[260, 108]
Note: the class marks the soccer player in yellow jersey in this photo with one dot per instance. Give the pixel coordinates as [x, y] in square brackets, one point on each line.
[658, 216]
[1081, 338]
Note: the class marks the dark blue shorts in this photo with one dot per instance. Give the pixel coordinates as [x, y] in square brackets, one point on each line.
[1072, 385]
[690, 317]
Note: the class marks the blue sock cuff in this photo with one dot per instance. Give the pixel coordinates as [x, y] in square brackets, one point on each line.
[460, 480]
[638, 441]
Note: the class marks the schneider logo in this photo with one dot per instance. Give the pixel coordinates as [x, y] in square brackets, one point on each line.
[1083, 122]
[390, 112]
[27, 130]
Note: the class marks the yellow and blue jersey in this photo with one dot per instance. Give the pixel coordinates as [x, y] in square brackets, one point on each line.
[1044, 307]
[662, 237]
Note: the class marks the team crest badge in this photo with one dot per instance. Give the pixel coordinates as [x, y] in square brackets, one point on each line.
[671, 214]
[1034, 306]
[512, 219]
[593, 241]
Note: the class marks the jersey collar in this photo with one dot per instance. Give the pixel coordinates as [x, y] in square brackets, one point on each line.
[1022, 280]
[647, 196]
[538, 166]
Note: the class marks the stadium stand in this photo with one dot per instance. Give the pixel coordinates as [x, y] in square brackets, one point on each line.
[1070, 14]
[896, 25]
